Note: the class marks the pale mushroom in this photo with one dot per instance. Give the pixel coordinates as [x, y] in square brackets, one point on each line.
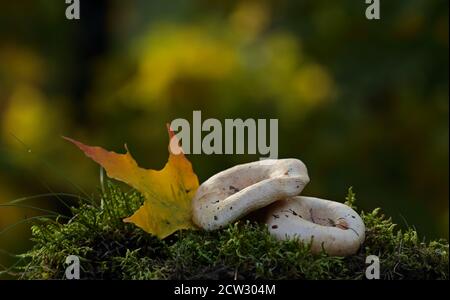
[273, 184]
[235, 192]
[332, 226]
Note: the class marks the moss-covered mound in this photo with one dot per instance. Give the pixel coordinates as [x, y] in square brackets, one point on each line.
[111, 249]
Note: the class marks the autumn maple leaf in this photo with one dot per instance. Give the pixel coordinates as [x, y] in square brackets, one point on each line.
[167, 192]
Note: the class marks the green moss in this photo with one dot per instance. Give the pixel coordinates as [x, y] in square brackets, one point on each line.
[111, 249]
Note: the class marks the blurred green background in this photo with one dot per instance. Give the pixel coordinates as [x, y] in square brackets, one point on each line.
[362, 103]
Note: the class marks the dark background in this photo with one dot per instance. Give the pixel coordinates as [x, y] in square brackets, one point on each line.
[362, 103]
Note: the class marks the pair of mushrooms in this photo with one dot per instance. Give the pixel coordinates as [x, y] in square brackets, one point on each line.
[271, 187]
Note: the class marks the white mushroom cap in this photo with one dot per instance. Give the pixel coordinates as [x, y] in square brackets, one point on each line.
[235, 192]
[332, 225]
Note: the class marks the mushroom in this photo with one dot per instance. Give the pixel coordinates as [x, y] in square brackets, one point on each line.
[332, 226]
[274, 185]
[235, 192]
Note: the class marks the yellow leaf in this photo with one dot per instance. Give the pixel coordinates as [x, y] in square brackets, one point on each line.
[168, 192]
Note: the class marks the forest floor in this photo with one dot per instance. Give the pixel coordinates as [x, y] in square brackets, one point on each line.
[108, 248]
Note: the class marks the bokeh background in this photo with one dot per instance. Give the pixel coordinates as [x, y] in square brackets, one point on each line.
[362, 103]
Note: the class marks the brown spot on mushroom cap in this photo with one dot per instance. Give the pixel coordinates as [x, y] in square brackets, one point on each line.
[234, 189]
[341, 224]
